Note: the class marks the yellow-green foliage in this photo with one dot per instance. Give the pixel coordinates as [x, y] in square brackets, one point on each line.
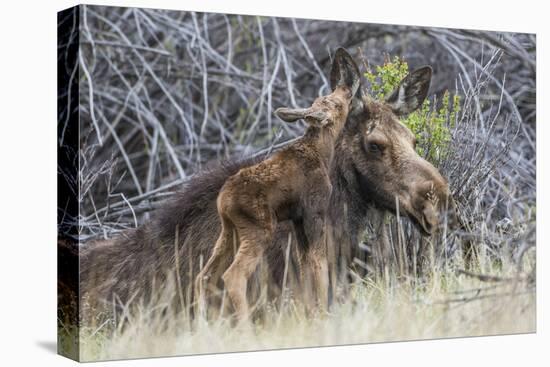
[385, 78]
[431, 126]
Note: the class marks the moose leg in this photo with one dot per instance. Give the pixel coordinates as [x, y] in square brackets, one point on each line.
[314, 278]
[321, 280]
[218, 262]
[253, 242]
[315, 258]
[306, 266]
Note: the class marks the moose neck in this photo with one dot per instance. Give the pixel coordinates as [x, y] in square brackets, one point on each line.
[323, 139]
[348, 208]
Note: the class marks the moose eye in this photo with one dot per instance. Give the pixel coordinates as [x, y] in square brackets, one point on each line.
[374, 148]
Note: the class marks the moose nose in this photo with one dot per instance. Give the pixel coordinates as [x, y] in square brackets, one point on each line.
[434, 193]
[447, 209]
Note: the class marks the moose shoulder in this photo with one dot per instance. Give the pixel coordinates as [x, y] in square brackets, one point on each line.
[375, 164]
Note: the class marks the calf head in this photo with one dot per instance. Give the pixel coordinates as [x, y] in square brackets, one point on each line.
[331, 110]
[377, 153]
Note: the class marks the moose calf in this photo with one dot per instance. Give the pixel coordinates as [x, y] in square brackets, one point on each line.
[293, 184]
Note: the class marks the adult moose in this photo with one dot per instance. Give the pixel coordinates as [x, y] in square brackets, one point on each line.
[375, 165]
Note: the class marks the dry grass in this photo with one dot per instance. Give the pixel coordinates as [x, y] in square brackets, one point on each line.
[446, 304]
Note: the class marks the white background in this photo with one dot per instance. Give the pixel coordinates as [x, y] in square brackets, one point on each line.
[28, 182]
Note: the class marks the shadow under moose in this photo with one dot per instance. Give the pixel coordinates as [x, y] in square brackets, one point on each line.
[367, 162]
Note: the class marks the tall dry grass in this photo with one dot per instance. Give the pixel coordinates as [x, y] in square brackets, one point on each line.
[446, 304]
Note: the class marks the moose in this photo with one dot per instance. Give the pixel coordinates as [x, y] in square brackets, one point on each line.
[293, 184]
[374, 166]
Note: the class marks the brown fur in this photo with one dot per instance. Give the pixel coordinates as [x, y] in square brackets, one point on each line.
[293, 185]
[132, 265]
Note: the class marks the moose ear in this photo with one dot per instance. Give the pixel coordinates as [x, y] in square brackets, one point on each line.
[291, 114]
[344, 72]
[311, 115]
[316, 117]
[411, 92]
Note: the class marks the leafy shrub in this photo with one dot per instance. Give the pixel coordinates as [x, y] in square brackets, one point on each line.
[431, 126]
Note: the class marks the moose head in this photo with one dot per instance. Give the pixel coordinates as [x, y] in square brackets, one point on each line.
[330, 110]
[378, 154]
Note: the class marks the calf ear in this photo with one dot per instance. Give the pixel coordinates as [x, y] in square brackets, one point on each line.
[311, 115]
[411, 92]
[291, 114]
[344, 72]
[316, 118]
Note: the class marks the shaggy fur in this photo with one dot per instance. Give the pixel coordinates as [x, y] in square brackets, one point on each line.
[374, 162]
